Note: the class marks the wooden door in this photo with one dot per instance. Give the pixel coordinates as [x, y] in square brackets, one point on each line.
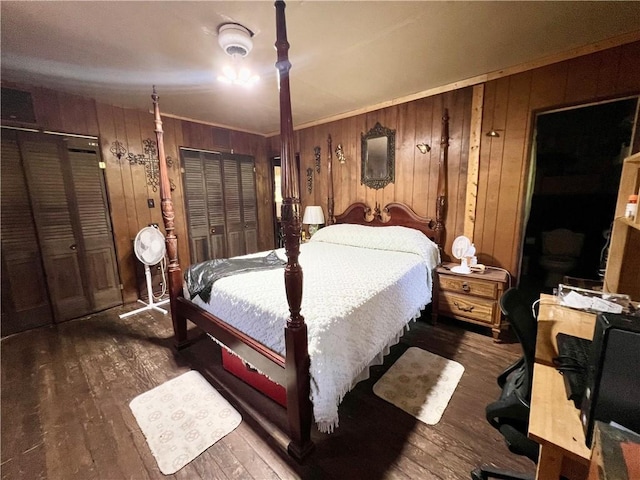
[95, 233]
[68, 197]
[233, 208]
[25, 299]
[44, 168]
[249, 204]
[220, 196]
[204, 204]
[240, 204]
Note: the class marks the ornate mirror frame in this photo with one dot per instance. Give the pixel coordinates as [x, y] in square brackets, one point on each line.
[378, 162]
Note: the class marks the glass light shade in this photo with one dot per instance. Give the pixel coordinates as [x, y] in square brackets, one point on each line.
[242, 77]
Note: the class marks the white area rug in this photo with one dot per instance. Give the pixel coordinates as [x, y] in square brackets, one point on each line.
[182, 418]
[421, 383]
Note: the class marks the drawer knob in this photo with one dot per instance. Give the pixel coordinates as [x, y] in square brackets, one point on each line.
[463, 308]
[466, 287]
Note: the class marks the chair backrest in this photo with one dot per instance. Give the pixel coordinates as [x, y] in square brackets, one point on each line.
[524, 325]
[510, 413]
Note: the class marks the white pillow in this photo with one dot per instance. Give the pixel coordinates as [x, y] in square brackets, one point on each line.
[395, 238]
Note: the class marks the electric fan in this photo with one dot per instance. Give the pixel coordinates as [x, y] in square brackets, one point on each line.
[463, 250]
[150, 248]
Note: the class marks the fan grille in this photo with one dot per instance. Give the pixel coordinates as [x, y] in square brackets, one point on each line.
[149, 245]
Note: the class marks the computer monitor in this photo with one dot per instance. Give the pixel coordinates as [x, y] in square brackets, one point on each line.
[612, 393]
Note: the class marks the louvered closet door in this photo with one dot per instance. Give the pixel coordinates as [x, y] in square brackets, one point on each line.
[25, 301]
[95, 229]
[58, 243]
[205, 204]
[249, 204]
[233, 208]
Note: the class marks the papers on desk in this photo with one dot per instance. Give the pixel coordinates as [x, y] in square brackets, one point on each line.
[591, 300]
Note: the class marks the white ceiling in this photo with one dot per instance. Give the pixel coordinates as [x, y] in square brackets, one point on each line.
[346, 55]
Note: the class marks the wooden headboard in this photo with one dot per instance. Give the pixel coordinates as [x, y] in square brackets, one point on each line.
[399, 213]
[391, 215]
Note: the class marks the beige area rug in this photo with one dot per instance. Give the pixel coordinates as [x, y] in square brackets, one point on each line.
[182, 418]
[421, 383]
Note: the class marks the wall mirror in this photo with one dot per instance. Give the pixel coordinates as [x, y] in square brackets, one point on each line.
[378, 157]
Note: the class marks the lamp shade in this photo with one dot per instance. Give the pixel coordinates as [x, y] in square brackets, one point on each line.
[313, 215]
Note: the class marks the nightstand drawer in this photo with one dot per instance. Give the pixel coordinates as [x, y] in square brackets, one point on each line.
[473, 308]
[469, 286]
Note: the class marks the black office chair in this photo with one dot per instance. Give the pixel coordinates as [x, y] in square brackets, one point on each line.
[510, 413]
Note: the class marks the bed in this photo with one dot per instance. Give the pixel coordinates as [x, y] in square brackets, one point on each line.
[361, 240]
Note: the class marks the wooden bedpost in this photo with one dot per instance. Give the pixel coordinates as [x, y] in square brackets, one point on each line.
[168, 215]
[299, 407]
[330, 205]
[441, 200]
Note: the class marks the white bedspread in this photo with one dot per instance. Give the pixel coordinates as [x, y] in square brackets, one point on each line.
[355, 300]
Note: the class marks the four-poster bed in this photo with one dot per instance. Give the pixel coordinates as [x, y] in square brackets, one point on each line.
[287, 360]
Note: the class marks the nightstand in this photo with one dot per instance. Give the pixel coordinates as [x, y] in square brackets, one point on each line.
[471, 298]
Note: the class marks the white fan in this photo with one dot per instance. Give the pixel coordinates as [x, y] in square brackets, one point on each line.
[150, 248]
[464, 251]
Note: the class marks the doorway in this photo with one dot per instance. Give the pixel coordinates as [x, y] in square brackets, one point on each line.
[577, 161]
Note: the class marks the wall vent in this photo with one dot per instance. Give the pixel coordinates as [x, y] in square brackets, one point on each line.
[17, 106]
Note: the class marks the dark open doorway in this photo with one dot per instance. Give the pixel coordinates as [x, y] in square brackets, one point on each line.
[577, 158]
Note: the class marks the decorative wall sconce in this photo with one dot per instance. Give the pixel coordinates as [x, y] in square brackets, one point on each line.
[493, 133]
[340, 154]
[149, 159]
[423, 147]
[117, 149]
[309, 180]
[316, 153]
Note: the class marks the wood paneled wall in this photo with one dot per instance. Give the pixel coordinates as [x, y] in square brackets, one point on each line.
[416, 174]
[510, 104]
[127, 187]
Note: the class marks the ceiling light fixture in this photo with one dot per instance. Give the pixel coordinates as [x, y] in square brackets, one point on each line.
[235, 41]
[493, 133]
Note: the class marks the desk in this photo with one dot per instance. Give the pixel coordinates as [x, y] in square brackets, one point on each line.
[554, 422]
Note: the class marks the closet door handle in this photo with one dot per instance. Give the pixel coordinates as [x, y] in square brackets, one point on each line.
[212, 231]
[73, 246]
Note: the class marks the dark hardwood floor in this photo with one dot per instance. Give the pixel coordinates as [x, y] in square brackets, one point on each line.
[66, 393]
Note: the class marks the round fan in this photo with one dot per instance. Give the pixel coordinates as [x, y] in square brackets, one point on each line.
[149, 245]
[463, 250]
[150, 248]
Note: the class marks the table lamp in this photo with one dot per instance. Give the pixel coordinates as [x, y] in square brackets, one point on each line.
[313, 216]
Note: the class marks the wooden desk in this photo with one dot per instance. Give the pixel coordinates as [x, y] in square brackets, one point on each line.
[554, 421]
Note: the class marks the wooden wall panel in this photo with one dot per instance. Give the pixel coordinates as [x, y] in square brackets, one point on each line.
[416, 175]
[172, 139]
[47, 109]
[512, 183]
[511, 104]
[426, 166]
[117, 201]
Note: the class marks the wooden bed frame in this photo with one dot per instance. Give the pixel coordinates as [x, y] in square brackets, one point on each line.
[291, 371]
